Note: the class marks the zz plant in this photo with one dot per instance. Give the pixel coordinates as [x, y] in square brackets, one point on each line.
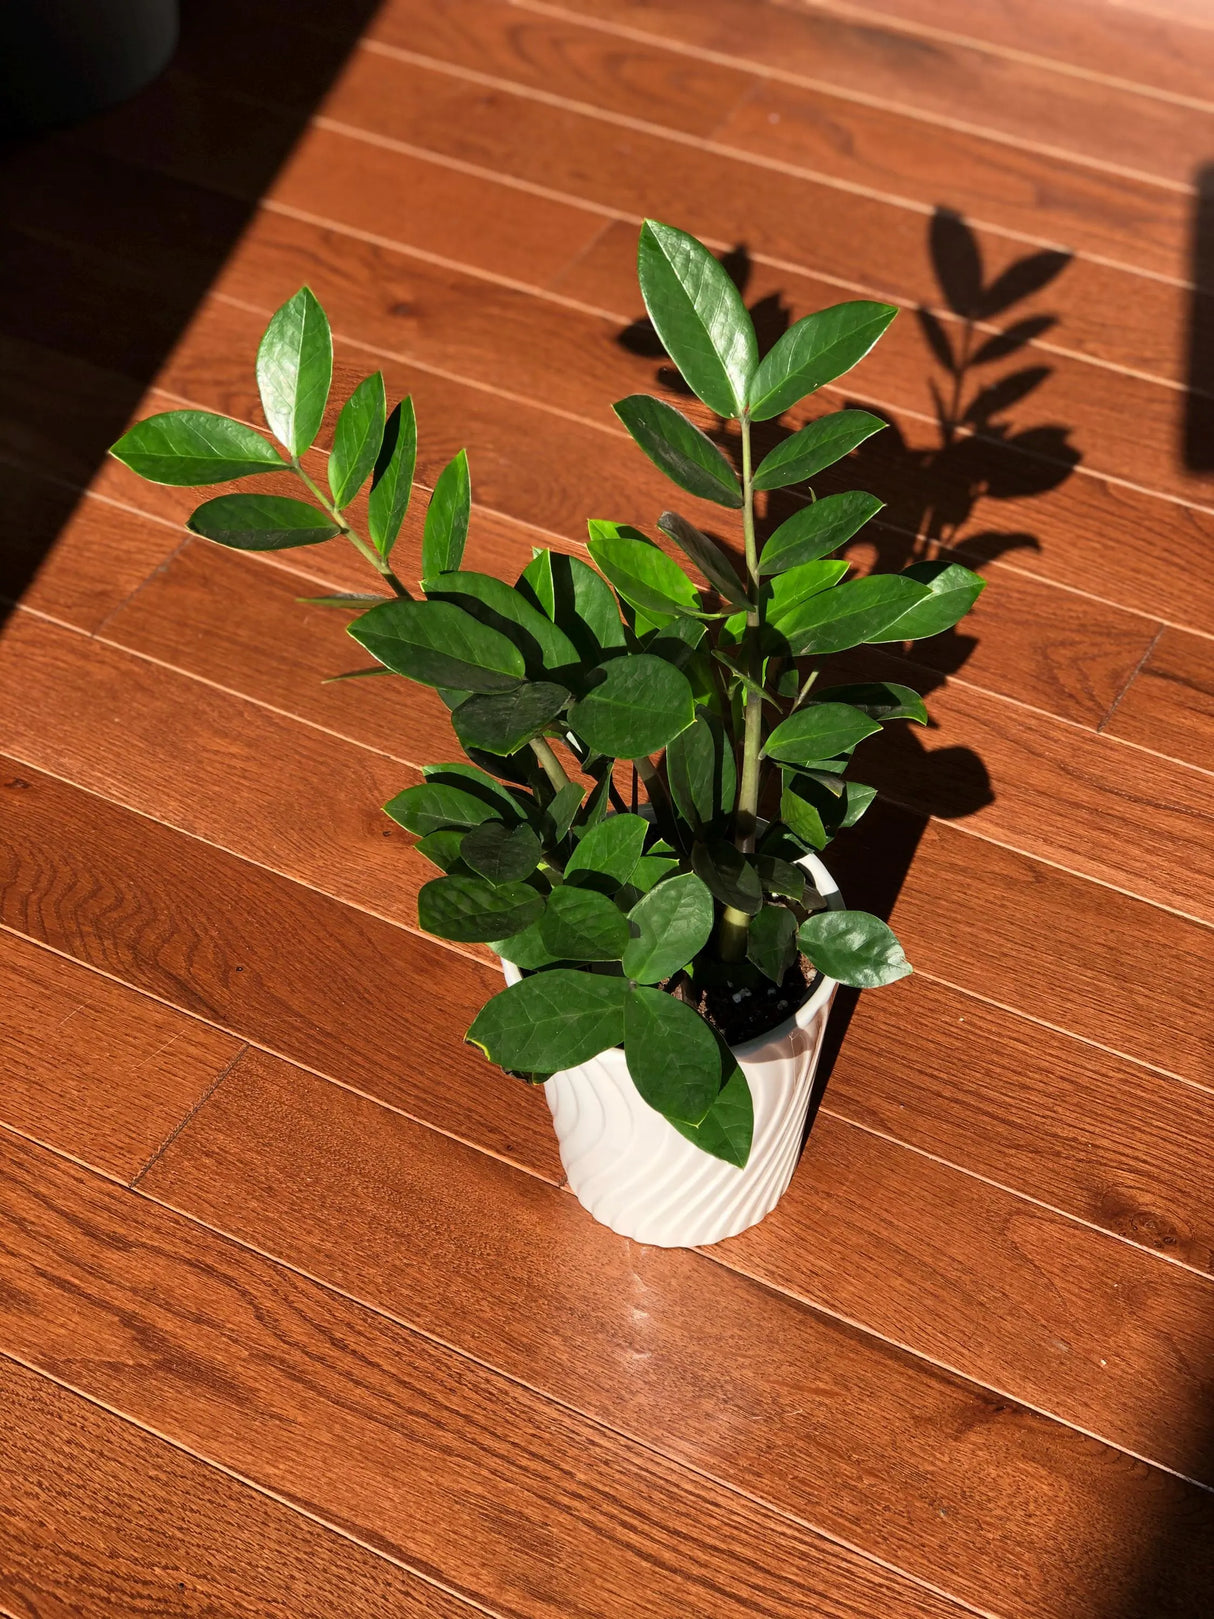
[578, 686]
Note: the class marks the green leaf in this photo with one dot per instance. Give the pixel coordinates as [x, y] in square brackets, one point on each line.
[730, 876]
[818, 732]
[643, 575]
[699, 315]
[880, 700]
[701, 771]
[582, 925]
[815, 351]
[670, 925]
[501, 722]
[815, 804]
[356, 674]
[707, 556]
[442, 849]
[446, 530]
[849, 615]
[526, 950]
[439, 644]
[672, 1054]
[434, 806]
[552, 1020]
[781, 877]
[818, 445]
[772, 941]
[189, 447]
[953, 590]
[679, 449]
[853, 948]
[473, 911]
[354, 601]
[790, 591]
[392, 481]
[499, 853]
[577, 600]
[500, 607]
[638, 705]
[563, 808]
[727, 1128]
[357, 439]
[294, 369]
[610, 850]
[261, 522]
[817, 530]
[651, 869]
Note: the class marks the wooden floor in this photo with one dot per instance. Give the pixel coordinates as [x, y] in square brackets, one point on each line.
[295, 1317]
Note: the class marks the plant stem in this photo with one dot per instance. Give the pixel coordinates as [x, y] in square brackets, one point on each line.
[551, 764]
[735, 925]
[359, 544]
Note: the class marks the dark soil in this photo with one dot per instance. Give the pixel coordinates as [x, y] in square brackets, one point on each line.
[749, 1005]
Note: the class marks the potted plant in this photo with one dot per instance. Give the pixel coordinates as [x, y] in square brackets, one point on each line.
[652, 768]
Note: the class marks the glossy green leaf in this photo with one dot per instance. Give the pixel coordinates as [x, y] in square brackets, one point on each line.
[526, 950]
[564, 808]
[438, 644]
[357, 439]
[953, 590]
[442, 848]
[781, 876]
[491, 601]
[552, 1020]
[294, 369]
[637, 704]
[673, 1056]
[501, 722]
[699, 315]
[642, 574]
[191, 447]
[819, 731]
[678, 447]
[853, 948]
[500, 853]
[580, 924]
[815, 351]
[728, 1127]
[707, 556]
[771, 943]
[651, 869]
[470, 910]
[392, 481]
[577, 600]
[609, 850]
[729, 875]
[352, 601]
[880, 700]
[701, 771]
[446, 530]
[356, 674]
[670, 925]
[816, 446]
[806, 809]
[435, 806]
[790, 591]
[854, 612]
[817, 530]
[261, 522]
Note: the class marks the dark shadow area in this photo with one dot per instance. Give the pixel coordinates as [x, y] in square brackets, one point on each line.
[1197, 447]
[114, 228]
[980, 381]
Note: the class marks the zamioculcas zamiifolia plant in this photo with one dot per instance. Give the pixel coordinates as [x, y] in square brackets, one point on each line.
[650, 756]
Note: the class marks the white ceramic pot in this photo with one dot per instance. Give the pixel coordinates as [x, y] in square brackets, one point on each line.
[638, 1175]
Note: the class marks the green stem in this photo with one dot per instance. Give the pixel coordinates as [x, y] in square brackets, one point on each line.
[735, 925]
[356, 540]
[552, 766]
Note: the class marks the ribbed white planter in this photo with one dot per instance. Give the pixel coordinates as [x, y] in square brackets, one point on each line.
[638, 1175]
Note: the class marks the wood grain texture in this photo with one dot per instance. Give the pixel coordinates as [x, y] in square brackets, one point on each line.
[204, 931]
[1170, 704]
[419, 1452]
[101, 1519]
[815, 1417]
[93, 1069]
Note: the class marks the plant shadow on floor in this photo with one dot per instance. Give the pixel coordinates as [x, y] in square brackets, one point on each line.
[115, 228]
[971, 455]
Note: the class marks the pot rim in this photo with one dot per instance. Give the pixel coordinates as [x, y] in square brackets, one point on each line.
[818, 997]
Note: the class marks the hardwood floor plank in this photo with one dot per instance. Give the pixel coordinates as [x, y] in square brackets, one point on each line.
[101, 1519]
[281, 965]
[1060, 1121]
[1170, 703]
[92, 1068]
[462, 1474]
[868, 56]
[823, 1421]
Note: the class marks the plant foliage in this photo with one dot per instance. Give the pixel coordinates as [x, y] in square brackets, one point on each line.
[688, 670]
